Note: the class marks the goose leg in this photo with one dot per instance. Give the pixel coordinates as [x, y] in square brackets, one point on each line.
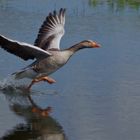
[45, 78]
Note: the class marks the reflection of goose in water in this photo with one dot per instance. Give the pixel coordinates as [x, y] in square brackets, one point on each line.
[39, 125]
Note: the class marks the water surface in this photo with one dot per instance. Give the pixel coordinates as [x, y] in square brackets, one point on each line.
[96, 96]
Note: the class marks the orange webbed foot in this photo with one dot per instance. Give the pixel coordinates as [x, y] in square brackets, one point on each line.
[36, 80]
[49, 80]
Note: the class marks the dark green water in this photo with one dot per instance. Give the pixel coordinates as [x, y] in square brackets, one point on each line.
[97, 94]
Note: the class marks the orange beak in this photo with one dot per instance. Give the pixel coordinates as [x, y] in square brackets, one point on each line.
[95, 45]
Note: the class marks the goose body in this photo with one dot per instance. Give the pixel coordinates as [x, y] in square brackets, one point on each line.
[46, 66]
[46, 51]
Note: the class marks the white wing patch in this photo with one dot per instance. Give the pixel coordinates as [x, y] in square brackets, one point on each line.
[51, 31]
[24, 50]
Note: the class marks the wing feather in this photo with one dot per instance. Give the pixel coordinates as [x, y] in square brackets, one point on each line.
[23, 50]
[53, 27]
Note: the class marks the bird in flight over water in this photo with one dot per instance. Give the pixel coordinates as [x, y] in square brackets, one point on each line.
[46, 50]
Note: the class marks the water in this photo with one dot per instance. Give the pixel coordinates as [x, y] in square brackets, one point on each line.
[96, 96]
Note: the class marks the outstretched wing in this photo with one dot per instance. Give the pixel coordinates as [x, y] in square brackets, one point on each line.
[21, 49]
[51, 31]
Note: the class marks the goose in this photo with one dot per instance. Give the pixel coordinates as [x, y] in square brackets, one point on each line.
[46, 50]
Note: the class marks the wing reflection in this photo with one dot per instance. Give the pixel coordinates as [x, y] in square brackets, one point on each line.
[39, 125]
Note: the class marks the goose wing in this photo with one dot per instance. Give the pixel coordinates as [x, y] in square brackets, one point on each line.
[23, 50]
[51, 31]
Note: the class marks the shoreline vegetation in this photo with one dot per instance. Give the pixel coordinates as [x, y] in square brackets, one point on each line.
[117, 4]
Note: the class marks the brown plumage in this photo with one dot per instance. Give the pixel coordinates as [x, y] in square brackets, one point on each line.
[21, 49]
[45, 50]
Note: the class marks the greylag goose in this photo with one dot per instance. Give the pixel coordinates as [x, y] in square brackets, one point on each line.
[46, 52]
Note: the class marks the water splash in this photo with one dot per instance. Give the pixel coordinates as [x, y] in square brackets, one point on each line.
[11, 86]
